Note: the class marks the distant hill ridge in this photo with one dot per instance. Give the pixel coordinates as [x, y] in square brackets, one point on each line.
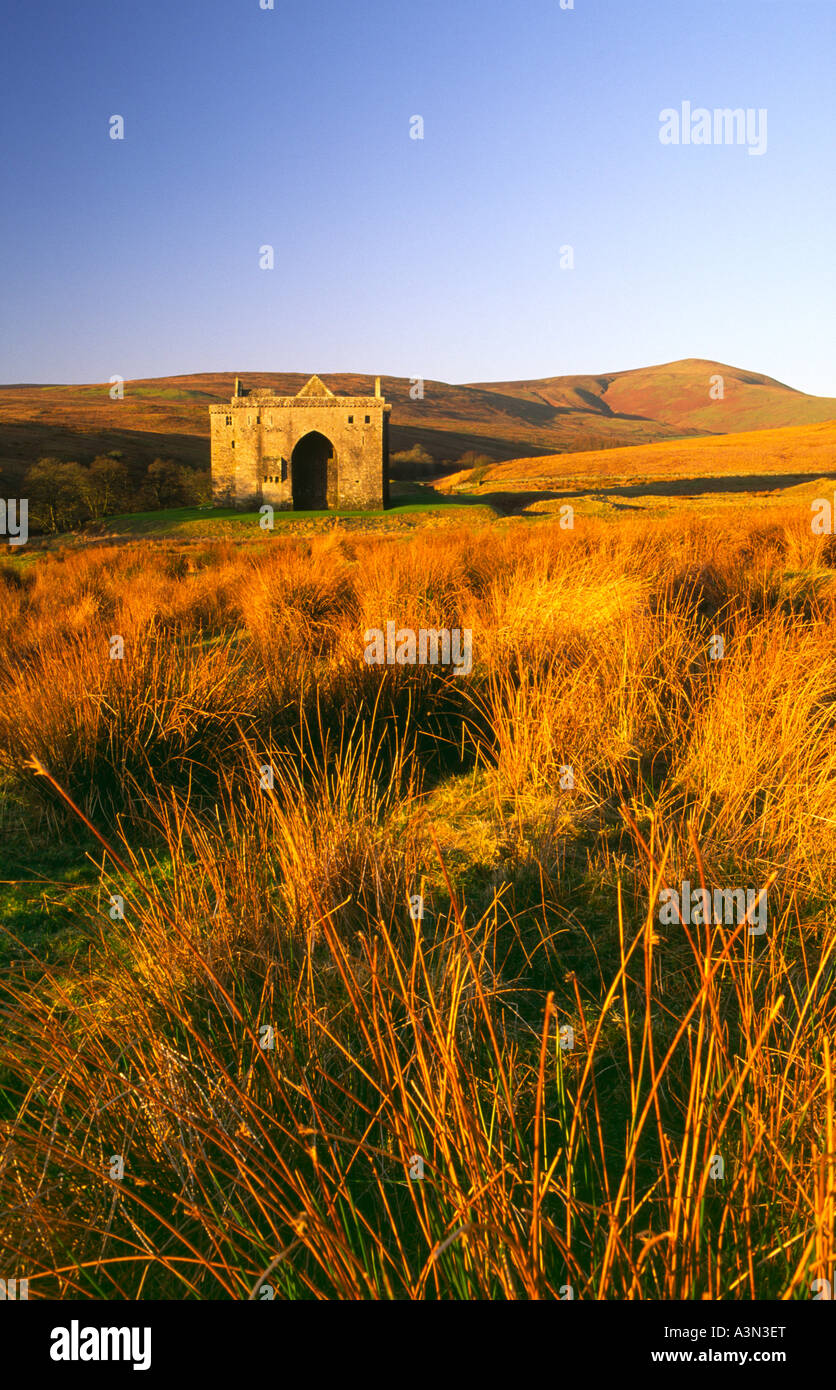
[701, 395]
[502, 420]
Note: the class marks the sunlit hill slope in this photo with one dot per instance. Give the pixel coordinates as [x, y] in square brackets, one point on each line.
[168, 416]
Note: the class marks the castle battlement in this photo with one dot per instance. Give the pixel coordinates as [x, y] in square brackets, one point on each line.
[266, 397]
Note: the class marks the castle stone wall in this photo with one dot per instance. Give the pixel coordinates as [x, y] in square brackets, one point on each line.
[254, 438]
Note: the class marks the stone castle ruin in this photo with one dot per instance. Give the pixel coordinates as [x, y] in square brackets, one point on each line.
[311, 452]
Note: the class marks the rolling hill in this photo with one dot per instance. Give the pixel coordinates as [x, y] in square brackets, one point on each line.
[678, 394]
[766, 462]
[168, 416]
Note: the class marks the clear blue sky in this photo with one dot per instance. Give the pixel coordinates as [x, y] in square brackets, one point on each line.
[436, 258]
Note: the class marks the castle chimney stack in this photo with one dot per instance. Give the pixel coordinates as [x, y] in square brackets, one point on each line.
[237, 391]
[377, 387]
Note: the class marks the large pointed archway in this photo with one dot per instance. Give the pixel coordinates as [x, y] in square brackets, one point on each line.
[312, 468]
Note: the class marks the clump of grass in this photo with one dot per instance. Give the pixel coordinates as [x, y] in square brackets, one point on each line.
[400, 1020]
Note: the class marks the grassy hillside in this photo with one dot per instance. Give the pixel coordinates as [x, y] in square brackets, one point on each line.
[787, 456]
[678, 394]
[168, 416]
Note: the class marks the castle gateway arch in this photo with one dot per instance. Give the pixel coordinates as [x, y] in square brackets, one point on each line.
[313, 473]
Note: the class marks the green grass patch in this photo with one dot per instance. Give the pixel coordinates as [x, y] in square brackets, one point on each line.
[213, 521]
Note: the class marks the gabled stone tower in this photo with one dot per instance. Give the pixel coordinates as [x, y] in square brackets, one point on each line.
[311, 452]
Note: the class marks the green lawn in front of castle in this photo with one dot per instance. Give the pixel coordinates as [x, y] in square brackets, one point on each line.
[210, 520]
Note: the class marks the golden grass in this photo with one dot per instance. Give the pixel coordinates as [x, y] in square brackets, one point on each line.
[271, 1042]
[757, 454]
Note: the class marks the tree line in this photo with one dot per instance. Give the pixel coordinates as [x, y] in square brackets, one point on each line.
[64, 495]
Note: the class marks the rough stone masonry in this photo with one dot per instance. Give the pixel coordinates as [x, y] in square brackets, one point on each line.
[310, 452]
